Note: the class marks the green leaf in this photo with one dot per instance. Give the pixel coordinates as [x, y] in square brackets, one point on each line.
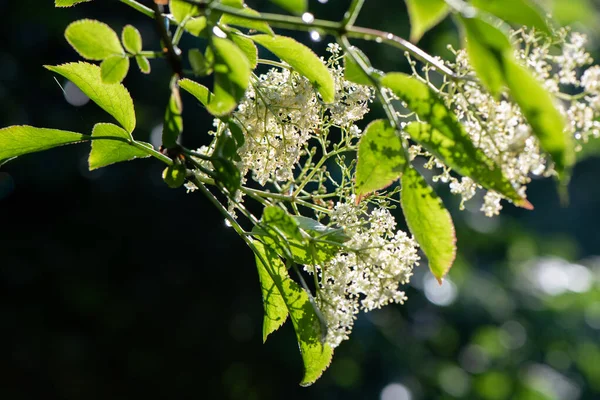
[464, 158]
[114, 69]
[22, 139]
[294, 6]
[197, 90]
[226, 151]
[424, 15]
[143, 64]
[281, 231]
[522, 12]
[486, 46]
[537, 105]
[174, 175]
[116, 149]
[492, 56]
[131, 38]
[381, 158]
[196, 26]
[93, 39]
[446, 138]
[68, 3]
[173, 121]
[302, 60]
[234, 20]
[276, 311]
[232, 75]
[354, 73]
[199, 63]
[249, 49]
[182, 10]
[112, 98]
[307, 324]
[429, 222]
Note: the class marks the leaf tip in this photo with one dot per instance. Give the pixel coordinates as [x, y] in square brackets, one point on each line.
[524, 203]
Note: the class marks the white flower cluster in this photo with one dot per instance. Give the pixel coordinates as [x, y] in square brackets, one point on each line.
[367, 274]
[499, 129]
[280, 112]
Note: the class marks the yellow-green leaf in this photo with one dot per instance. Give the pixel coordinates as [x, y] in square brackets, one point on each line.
[197, 90]
[522, 12]
[143, 64]
[182, 9]
[424, 15]
[354, 73]
[93, 39]
[316, 355]
[117, 146]
[131, 38]
[429, 222]
[381, 158]
[294, 6]
[23, 139]
[112, 98]
[114, 69]
[446, 138]
[242, 22]
[302, 60]
[173, 121]
[248, 47]
[232, 75]
[68, 3]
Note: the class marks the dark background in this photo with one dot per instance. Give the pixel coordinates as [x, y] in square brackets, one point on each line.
[114, 286]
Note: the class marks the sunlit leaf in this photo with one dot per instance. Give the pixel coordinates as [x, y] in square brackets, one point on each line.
[197, 90]
[174, 175]
[381, 158]
[537, 105]
[173, 121]
[112, 98]
[234, 20]
[182, 9]
[424, 15]
[317, 229]
[293, 6]
[196, 26]
[486, 46]
[131, 38]
[276, 311]
[93, 39]
[116, 148]
[232, 75]
[114, 69]
[446, 138]
[248, 47]
[68, 3]
[354, 73]
[492, 57]
[302, 60]
[464, 158]
[23, 139]
[143, 64]
[315, 354]
[522, 12]
[429, 222]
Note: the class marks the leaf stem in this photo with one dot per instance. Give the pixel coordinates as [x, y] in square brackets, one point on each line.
[352, 13]
[138, 145]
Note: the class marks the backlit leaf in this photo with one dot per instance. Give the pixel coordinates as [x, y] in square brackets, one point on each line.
[117, 148]
[429, 222]
[302, 60]
[294, 6]
[522, 12]
[424, 15]
[174, 175]
[23, 139]
[197, 90]
[316, 355]
[182, 9]
[354, 73]
[173, 121]
[114, 69]
[234, 20]
[131, 38]
[93, 39]
[112, 98]
[143, 64]
[248, 47]
[68, 3]
[446, 138]
[381, 158]
[232, 75]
